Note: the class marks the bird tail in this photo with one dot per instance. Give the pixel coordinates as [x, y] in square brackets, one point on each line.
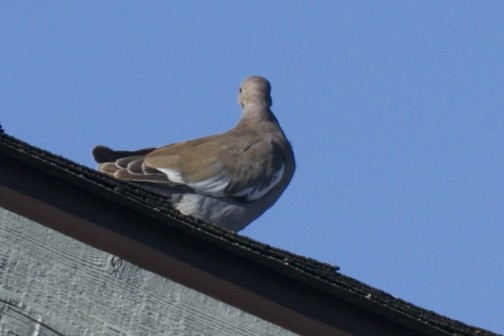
[103, 154]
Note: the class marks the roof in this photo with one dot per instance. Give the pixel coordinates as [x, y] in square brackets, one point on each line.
[320, 280]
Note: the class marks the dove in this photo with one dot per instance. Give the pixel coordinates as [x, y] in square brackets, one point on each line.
[227, 179]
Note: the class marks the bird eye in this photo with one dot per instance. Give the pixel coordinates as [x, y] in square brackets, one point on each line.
[240, 90]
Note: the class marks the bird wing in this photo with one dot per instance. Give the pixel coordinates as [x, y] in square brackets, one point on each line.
[225, 165]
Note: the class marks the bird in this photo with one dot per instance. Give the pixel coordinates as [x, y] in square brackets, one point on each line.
[227, 179]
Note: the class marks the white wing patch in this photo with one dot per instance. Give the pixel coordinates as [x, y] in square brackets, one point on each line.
[213, 186]
[255, 192]
[172, 175]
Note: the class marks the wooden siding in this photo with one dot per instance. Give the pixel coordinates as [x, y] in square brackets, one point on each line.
[51, 284]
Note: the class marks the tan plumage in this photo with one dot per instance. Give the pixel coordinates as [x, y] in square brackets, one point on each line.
[227, 179]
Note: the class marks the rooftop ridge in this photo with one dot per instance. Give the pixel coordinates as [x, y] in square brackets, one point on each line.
[321, 276]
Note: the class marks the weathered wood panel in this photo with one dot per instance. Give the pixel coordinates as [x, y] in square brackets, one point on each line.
[51, 284]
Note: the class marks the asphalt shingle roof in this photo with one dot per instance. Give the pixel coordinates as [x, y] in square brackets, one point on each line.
[320, 276]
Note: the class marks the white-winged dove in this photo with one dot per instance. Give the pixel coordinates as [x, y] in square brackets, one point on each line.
[227, 179]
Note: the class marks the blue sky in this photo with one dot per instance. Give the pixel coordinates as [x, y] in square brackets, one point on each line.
[395, 110]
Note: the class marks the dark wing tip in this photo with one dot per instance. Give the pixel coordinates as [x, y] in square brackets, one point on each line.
[103, 154]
